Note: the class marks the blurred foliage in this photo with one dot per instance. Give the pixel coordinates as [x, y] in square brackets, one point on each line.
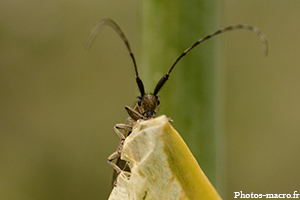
[167, 29]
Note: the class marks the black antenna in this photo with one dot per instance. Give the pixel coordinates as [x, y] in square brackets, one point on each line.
[229, 28]
[115, 26]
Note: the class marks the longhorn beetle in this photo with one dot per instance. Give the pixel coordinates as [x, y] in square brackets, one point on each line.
[147, 104]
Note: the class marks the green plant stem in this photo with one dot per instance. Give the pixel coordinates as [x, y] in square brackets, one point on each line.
[190, 95]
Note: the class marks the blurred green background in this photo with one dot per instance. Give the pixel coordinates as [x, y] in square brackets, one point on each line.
[59, 102]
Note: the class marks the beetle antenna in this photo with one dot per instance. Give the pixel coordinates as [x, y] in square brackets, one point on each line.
[229, 28]
[115, 26]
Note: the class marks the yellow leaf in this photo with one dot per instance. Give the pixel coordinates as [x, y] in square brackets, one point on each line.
[162, 166]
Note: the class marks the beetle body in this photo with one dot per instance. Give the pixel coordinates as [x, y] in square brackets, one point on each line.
[147, 104]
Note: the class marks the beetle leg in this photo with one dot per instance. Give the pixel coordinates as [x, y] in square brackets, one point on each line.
[124, 126]
[113, 156]
[117, 153]
[121, 136]
[117, 169]
[134, 114]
